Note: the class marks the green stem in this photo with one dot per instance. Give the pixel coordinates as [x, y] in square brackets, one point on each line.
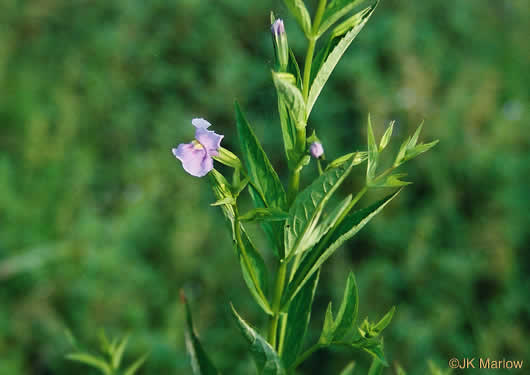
[307, 67]
[311, 47]
[318, 15]
[278, 290]
[294, 185]
[294, 178]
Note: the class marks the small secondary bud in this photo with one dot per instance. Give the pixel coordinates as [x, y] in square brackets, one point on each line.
[316, 149]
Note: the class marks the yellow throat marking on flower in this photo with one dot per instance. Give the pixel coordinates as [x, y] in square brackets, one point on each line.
[197, 145]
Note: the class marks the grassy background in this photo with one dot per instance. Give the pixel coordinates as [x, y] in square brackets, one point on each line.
[100, 226]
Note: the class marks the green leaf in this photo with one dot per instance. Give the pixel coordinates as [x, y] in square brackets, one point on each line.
[391, 181]
[292, 97]
[419, 149]
[300, 228]
[200, 362]
[131, 370]
[221, 190]
[328, 329]
[264, 214]
[335, 10]
[299, 10]
[330, 220]
[386, 137]
[267, 360]
[351, 224]
[410, 150]
[269, 227]
[333, 58]
[267, 190]
[118, 353]
[347, 314]
[294, 68]
[376, 350]
[91, 360]
[415, 137]
[401, 153]
[253, 266]
[298, 318]
[356, 157]
[385, 320]
[255, 272]
[288, 131]
[224, 201]
[336, 329]
[373, 154]
[260, 170]
[349, 369]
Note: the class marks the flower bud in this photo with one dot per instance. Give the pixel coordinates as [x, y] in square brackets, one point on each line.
[316, 150]
[281, 46]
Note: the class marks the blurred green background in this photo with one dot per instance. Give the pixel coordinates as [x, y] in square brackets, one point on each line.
[100, 226]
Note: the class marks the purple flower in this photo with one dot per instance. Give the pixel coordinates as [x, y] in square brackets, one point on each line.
[316, 149]
[281, 46]
[196, 157]
[278, 28]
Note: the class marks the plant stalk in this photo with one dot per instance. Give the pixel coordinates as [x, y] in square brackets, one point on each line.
[278, 290]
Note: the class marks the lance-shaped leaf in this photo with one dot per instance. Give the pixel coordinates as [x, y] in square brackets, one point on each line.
[299, 10]
[357, 157]
[288, 131]
[292, 97]
[264, 214]
[334, 56]
[267, 360]
[347, 314]
[200, 362]
[135, 366]
[386, 137]
[91, 360]
[335, 10]
[306, 210]
[260, 170]
[298, 318]
[253, 266]
[336, 329]
[349, 227]
[373, 154]
[266, 190]
[409, 149]
[393, 180]
[271, 229]
[254, 271]
[371, 330]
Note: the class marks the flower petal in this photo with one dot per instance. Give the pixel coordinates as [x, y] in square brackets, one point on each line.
[210, 140]
[200, 123]
[195, 161]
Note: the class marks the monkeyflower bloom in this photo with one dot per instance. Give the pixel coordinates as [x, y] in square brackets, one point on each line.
[316, 149]
[196, 157]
